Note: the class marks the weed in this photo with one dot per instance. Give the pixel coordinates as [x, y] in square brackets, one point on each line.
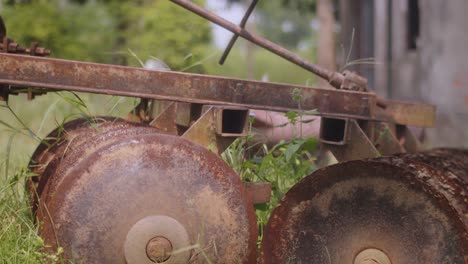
[346, 61]
[283, 165]
[19, 242]
[21, 132]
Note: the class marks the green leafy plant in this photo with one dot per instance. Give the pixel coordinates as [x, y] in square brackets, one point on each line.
[20, 242]
[282, 165]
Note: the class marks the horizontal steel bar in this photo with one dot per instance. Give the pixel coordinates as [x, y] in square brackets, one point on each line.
[37, 72]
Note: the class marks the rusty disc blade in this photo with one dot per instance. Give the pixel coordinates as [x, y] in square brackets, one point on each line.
[72, 141]
[453, 188]
[449, 160]
[358, 211]
[112, 197]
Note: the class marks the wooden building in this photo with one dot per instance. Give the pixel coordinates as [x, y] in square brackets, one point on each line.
[421, 52]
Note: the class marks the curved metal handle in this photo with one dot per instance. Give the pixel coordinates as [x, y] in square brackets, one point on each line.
[234, 38]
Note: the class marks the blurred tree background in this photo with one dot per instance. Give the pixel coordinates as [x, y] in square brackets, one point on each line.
[104, 31]
[286, 22]
[108, 31]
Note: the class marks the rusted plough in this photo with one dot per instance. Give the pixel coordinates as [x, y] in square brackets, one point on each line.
[154, 191]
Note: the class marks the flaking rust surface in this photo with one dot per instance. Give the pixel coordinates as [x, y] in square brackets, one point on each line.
[452, 161]
[72, 143]
[221, 216]
[446, 183]
[95, 201]
[338, 211]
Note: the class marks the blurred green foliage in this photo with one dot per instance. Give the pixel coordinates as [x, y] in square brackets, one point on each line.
[285, 24]
[70, 31]
[110, 31]
[104, 31]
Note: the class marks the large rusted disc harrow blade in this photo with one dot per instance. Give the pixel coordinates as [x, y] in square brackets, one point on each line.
[69, 143]
[115, 192]
[382, 211]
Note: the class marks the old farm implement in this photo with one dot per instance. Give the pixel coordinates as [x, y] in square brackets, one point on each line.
[155, 190]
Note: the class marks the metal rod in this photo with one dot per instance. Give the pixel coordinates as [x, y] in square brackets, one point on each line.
[38, 72]
[334, 78]
[234, 38]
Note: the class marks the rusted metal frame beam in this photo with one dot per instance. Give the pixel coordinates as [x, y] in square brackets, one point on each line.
[415, 114]
[53, 74]
[210, 131]
[35, 72]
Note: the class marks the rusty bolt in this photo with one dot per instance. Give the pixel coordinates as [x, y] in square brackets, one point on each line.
[159, 249]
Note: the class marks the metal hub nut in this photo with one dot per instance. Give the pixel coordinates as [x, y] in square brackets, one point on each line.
[159, 249]
[154, 238]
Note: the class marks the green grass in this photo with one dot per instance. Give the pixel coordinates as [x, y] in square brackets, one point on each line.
[22, 126]
[282, 165]
[19, 242]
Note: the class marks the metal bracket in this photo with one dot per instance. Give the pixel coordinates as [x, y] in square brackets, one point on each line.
[165, 119]
[174, 118]
[407, 139]
[346, 140]
[215, 130]
[385, 140]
